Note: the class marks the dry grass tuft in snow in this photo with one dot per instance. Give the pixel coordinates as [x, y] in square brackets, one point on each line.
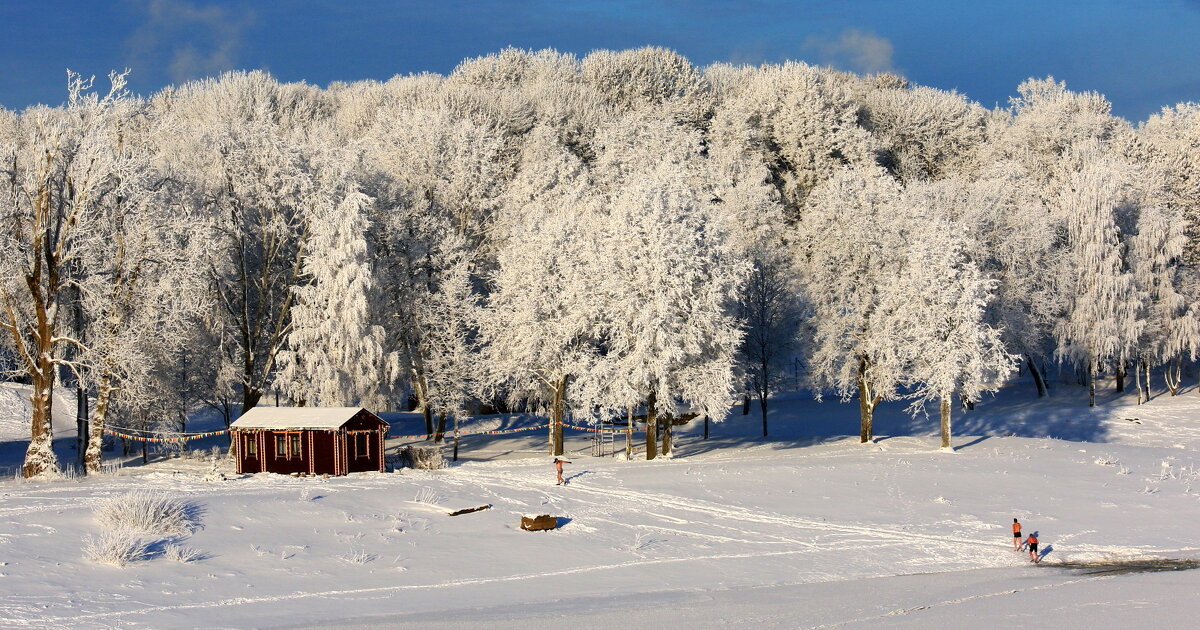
[179, 553]
[358, 556]
[146, 512]
[115, 548]
[428, 495]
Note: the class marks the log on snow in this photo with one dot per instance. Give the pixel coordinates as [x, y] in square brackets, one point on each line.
[469, 510]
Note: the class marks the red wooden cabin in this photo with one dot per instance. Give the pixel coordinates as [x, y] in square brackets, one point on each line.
[314, 440]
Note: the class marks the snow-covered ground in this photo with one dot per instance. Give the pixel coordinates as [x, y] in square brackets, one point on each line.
[808, 529]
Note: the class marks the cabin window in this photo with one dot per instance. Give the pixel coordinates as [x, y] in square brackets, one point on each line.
[250, 446]
[287, 446]
[361, 442]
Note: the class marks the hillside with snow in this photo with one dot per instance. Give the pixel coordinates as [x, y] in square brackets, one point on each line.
[805, 529]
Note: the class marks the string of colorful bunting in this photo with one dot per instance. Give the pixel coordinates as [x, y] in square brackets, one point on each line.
[601, 430]
[505, 431]
[462, 433]
[158, 439]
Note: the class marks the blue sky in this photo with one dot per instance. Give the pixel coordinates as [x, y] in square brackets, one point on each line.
[1141, 54]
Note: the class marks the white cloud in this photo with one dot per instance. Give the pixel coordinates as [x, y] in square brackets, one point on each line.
[187, 40]
[853, 50]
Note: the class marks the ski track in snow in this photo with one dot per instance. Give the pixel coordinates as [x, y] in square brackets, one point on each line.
[10, 614]
[729, 512]
[956, 601]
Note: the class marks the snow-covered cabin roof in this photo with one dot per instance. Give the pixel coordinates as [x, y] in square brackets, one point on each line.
[295, 417]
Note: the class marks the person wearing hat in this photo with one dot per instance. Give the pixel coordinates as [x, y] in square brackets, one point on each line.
[558, 467]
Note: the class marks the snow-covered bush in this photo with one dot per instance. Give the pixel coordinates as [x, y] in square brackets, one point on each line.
[148, 512]
[424, 457]
[117, 548]
[180, 553]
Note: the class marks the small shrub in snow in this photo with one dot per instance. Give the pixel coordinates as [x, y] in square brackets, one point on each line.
[116, 548]
[641, 543]
[425, 457]
[179, 553]
[428, 495]
[1106, 459]
[357, 556]
[1166, 471]
[145, 512]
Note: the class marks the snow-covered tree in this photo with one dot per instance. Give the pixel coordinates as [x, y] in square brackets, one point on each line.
[541, 328]
[850, 249]
[62, 169]
[335, 354]
[670, 279]
[434, 179]
[1171, 141]
[1170, 319]
[936, 309]
[924, 133]
[1100, 323]
[768, 306]
[145, 285]
[802, 119]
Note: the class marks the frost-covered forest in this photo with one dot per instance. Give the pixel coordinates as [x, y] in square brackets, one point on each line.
[618, 233]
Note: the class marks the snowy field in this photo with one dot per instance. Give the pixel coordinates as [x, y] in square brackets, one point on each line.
[808, 529]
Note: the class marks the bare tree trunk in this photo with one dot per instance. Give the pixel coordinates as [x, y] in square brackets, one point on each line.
[81, 401]
[422, 391]
[427, 415]
[668, 424]
[945, 405]
[867, 400]
[1091, 379]
[1173, 374]
[39, 457]
[81, 426]
[763, 392]
[706, 427]
[1142, 394]
[1038, 379]
[1121, 377]
[557, 408]
[441, 428]
[93, 457]
[651, 426]
[629, 436]
[1146, 377]
[250, 397]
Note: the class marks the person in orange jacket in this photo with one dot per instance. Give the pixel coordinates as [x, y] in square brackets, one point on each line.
[1016, 535]
[1032, 542]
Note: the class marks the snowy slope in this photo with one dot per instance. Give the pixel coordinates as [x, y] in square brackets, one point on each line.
[14, 412]
[805, 530]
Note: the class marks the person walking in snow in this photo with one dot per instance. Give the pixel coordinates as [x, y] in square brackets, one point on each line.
[558, 468]
[1016, 535]
[1032, 542]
